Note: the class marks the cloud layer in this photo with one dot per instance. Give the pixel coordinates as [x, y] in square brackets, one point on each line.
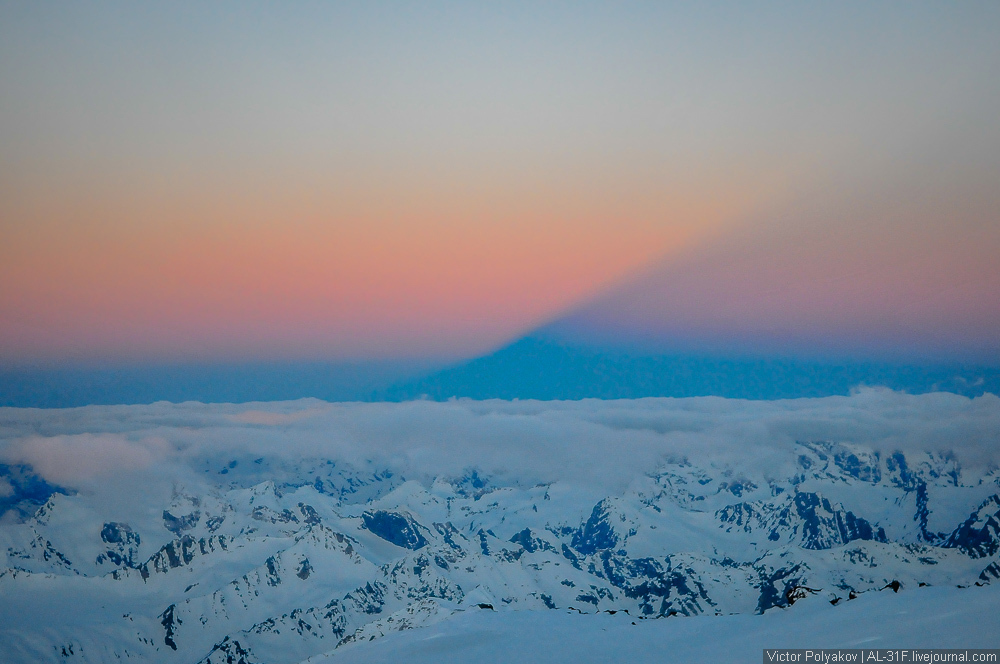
[69, 459]
[601, 443]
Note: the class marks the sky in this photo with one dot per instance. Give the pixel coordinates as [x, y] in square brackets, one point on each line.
[183, 182]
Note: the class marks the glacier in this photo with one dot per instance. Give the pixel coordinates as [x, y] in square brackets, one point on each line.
[437, 531]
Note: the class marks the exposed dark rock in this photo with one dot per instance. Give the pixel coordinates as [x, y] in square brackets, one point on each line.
[50, 553]
[904, 479]
[818, 524]
[597, 533]
[310, 516]
[979, 536]
[273, 575]
[118, 533]
[181, 552]
[370, 598]
[268, 515]
[777, 586]
[449, 533]
[125, 545]
[661, 588]
[305, 569]
[571, 557]
[483, 542]
[832, 528]
[529, 542]
[866, 469]
[399, 529]
[796, 593]
[471, 485]
[178, 524]
[738, 488]
[229, 652]
[991, 573]
[170, 623]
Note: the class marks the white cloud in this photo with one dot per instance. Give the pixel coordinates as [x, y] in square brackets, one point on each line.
[601, 443]
[270, 418]
[70, 459]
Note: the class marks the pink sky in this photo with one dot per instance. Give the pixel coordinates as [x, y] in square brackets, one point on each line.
[349, 182]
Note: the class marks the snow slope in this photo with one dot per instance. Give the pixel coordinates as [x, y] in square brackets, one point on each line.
[923, 618]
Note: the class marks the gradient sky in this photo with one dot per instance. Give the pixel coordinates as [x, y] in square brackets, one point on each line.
[233, 181]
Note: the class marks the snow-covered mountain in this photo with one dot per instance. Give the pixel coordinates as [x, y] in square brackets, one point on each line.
[279, 532]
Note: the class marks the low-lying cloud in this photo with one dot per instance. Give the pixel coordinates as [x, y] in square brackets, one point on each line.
[603, 443]
[69, 459]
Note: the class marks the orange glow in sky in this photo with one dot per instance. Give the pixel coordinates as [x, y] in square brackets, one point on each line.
[341, 181]
[307, 274]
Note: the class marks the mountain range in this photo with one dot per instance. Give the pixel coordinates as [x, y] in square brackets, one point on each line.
[251, 554]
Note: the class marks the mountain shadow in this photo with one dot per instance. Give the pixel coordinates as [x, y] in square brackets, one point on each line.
[537, 367]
